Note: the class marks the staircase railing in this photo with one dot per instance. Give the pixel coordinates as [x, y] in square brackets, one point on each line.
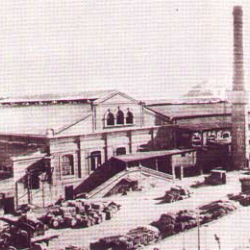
[110, 182]
[156, 173]
[118, 176]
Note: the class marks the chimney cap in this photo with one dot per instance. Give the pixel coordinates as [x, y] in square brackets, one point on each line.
[237, 10]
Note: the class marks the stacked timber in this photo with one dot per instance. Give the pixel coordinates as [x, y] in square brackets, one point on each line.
[175, 194]
[168, 224]
[134, 239]
[242, 198]
[79, 213]
[215, 210]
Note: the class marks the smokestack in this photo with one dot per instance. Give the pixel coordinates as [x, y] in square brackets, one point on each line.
[239, 98]
[238, 80]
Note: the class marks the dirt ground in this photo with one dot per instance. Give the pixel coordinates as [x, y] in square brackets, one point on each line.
[141, 207]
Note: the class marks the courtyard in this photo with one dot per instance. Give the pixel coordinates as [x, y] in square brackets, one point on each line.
[142, 207]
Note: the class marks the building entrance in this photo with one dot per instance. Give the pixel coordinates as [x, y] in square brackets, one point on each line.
[95, 160]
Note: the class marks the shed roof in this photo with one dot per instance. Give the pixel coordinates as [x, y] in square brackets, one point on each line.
[191, 110]
[205, 126]
[151, 154]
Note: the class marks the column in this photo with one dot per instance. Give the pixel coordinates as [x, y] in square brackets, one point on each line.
[156, 164]
[173, 172]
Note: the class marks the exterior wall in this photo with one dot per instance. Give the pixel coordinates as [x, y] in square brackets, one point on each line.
[112, 104]
[82, 127]
[152, 119]
[185, 160]
[87, 146]
[101, 111]
[20, 165]
[204, 119]
[59, 148]
[107, 143]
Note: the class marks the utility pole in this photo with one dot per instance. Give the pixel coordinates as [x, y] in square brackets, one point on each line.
[198, 227]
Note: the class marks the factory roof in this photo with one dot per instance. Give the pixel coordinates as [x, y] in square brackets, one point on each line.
[35, 115]
[63, 97]
[36, 120]
[191, 109]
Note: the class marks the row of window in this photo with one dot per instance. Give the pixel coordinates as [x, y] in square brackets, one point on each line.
[95, 161]
[119, 118]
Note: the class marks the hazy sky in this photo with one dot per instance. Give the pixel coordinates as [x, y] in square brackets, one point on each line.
[149, 49]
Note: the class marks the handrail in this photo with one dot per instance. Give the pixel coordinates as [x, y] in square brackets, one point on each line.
[110, 181]
[156, 173]
[142, 169]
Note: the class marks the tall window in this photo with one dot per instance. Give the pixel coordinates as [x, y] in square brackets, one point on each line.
[67, 165]
[129, 117]
[119, 117]
[110, 119]
[95, 160]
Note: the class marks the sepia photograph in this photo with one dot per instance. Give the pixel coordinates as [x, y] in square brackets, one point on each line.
[124, 125]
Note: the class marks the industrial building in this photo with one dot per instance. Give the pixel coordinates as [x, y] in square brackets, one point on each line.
[53, 145]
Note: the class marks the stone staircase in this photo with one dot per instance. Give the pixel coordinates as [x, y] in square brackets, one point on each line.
[103, 189]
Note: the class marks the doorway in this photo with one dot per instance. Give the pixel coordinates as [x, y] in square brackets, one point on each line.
[69, 193]
[95, 160]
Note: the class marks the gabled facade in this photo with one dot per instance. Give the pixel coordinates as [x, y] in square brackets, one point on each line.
[78, 144]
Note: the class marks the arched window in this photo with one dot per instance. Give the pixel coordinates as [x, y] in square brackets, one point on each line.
[129, 117]
[225, 135]
[119, 117]
[67, 165]
[110, 119]
[121, 151]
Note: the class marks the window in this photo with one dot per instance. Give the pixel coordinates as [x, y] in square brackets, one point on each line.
[67, 165]
[129, 117]
[121, 151]
[225, 135]
[110, 119]
[119, 117]
[95, 160]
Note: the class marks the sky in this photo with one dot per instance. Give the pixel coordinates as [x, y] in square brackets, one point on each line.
[148, 49]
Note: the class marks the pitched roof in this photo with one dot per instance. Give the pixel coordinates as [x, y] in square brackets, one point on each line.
[113, 93]
[35, 120]
[84, 96]
[34, 115]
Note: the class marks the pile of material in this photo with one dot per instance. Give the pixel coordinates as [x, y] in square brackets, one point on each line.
[135, 238]
[167, 225]
[79, 213]
[186, 219]
[242, 198]
[215, 210]
[175, 194]
[75, 248]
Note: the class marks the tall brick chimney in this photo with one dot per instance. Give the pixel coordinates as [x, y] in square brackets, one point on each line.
[239, 98]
